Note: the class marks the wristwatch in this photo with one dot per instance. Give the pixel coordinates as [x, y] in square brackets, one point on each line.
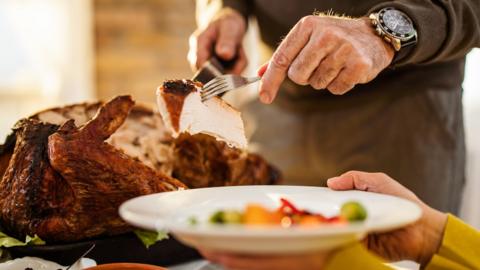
[395, 27]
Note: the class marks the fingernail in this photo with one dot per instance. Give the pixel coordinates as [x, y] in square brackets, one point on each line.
[264, 97]
[224, 49]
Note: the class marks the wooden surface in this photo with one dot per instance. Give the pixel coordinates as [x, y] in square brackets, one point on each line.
[140, 43]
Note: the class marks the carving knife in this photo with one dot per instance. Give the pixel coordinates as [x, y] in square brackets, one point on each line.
[214, 67]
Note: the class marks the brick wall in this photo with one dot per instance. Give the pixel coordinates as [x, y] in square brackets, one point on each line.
[140, 43]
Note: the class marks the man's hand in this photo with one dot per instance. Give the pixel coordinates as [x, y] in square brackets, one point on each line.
[417, 242]
[327, 53]
[222, 36]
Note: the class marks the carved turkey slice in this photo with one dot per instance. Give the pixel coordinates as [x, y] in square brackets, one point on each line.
[183, 111]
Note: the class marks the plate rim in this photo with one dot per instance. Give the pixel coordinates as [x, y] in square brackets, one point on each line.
[137, 219]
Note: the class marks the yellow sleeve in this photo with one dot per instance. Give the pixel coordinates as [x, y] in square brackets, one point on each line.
[460, 250]
[354, 257]
[460, 247]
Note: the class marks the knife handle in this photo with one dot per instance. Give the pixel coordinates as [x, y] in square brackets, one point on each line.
[223, 65]
[214, 67]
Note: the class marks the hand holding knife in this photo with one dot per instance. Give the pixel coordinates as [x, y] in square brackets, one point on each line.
[214, 67]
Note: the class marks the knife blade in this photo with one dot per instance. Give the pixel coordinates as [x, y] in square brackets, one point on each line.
[214, 67]
[81, 257]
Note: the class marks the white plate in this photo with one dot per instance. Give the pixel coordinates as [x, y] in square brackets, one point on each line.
[41, 264]
[171, 211]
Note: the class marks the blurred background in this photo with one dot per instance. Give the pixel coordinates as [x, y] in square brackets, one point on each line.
[54, 52]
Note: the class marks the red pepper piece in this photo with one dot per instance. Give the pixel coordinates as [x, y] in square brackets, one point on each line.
[321, 218]
[336, 219]
[288, 208]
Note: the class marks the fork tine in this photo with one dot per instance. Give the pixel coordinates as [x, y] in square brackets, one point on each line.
[224, 83]
[211, 95]
[213, 82]
[214, 88]
[207, 97]
[215, 92]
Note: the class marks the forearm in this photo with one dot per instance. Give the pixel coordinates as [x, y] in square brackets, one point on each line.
[244, 7]
[446, 29]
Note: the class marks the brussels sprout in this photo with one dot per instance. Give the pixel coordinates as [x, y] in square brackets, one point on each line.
[217, 218]
[353, 211]
[228, 216]
[232, 217]
[192, 221]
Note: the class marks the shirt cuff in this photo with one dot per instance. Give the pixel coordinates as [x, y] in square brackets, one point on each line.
[354, 257]
[441, 263]
[460, 243]
[242, 6]
[429, 20]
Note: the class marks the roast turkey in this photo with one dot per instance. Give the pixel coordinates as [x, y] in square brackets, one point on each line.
[65, 171]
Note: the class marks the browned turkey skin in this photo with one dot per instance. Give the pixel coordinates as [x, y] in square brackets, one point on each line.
[175, 92]
[32, 195]
[202, 161]
[66, 184]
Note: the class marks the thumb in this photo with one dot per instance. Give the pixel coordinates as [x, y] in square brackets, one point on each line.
[355, 180]
[372, 182]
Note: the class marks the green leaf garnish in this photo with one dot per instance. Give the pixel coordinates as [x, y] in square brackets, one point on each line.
[149, 238]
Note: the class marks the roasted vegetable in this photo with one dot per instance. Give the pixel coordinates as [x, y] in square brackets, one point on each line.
[287, 215]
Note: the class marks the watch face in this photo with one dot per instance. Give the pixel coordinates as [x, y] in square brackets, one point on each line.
[397, 22]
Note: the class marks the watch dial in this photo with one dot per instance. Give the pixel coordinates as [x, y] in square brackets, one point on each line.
[398, 22]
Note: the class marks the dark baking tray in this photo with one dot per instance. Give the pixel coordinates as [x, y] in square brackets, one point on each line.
[121, 248]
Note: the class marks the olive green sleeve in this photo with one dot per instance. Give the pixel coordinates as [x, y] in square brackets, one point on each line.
[242, 6]
[207, 9]
[446, 29]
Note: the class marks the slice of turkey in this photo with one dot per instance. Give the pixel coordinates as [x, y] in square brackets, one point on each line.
[214, 117]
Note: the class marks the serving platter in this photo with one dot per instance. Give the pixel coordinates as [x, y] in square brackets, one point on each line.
[113, 249]
[172, 211]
